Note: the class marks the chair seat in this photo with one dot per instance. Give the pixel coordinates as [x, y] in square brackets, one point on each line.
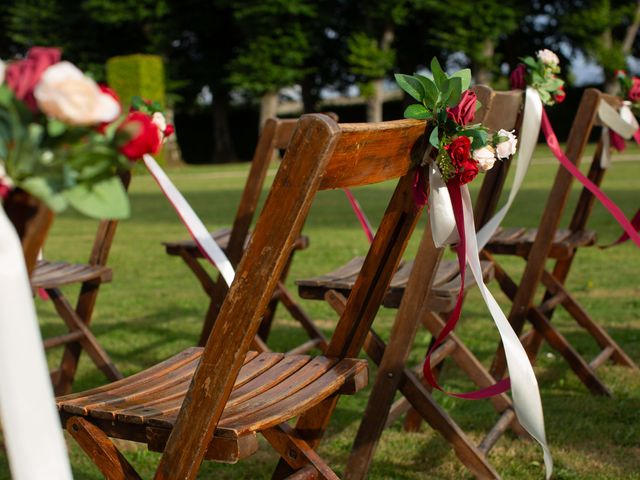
[443, 293]
[55, 274]
[518, 241]
[271, 388]
[221, 236]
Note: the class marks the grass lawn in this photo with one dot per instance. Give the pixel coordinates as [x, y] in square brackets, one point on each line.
[154, 308]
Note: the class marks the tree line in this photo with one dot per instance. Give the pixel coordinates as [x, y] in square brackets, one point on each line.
[248, 50]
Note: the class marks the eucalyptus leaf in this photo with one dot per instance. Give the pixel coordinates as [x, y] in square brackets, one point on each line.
[531, 62]
[454, 91]
[438, 74]
[106, 199]
[430, 89]
[410, 85]
[465, 78]
[417, 111]
[55, 128]
[433, 138]
[40, 188]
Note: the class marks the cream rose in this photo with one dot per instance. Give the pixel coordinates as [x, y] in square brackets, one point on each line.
[66, 94]
[548, 57]
[159, 121]
[507, 147]
[3, 68]
[486, 157]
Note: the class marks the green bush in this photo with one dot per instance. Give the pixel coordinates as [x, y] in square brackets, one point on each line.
[141, 75]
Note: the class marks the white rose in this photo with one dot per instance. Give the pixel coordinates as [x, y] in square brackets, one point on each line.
[486, 157]
[507, 147]
[67, 94]
[3, 68]
[4, 178]
[548, 57]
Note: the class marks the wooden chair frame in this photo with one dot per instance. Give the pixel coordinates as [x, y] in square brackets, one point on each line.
[551, 243]
[275, 136]
[52, 277]
[416, 305]
[322, 155]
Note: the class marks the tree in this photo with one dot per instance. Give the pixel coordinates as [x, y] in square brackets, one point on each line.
[273, 51]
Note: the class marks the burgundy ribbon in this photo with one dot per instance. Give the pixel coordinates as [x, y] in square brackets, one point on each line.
[503, 385]
[635, 222]
[420, 196]
[362, 218]
[618, 215]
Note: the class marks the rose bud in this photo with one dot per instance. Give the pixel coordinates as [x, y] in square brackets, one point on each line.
[144, 136]
[486, 157]
[560, 95]
[464, 112]
[518, 77]
[548, 57]
[469, 171]
[459, 151]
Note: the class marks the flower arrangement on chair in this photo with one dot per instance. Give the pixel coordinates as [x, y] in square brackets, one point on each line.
[541, 73]
[64, 138]
[464, 148]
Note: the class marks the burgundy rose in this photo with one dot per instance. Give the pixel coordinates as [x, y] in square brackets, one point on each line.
[469, 171]
[144, 136]
[518, 77]
[617, 141]
[459, 151]
[23, 76]
[464, 112]
[634, 91]
[560, 95]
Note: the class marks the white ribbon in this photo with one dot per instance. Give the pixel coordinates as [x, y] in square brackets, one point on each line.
[443, 223]
[32, 430]
[624, 123]
[194, 225]
[529, 134]
[526, 396]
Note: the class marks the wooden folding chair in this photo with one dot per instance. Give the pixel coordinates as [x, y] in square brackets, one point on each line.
[210, 402]
[52, 277]
[275, 136]
[410, 294]
[548, 241]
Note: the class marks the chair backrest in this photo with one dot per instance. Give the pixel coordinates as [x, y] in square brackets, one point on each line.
[275, 135]
[581, 128]
[500, 110]
[321, 155]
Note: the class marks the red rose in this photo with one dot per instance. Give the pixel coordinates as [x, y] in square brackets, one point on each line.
[23, 76]
[144, 136]
[169, 130]
[617, 141]
[634, 91]
[469, 171]
[559, 96]
[518, 77]
[459, 151]
[464, 112]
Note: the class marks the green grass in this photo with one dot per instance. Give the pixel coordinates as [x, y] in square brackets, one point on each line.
[154, 308]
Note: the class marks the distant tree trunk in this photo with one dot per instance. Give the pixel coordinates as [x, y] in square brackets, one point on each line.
[268, 106]
[375, 101]
[172, 152]
[483, 73]
[632, 31]
[223, 150]
[309, 94]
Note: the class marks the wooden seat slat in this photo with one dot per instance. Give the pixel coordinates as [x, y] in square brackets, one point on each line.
[171, 384]
[53, 275]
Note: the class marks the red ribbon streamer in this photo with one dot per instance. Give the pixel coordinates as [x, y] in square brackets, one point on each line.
[362, 218]
[635, 221]
[618, 215]
[504, 384]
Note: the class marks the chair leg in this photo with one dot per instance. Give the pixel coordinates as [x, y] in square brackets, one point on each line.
[298, 454]
[99, 447]
[88, 342]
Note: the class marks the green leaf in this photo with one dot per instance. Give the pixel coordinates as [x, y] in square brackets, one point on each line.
[454, 91]
[410, 85]
[438, 74]
[417, 111]
[465, 78]
[5, 96]
[530, 62]
[55, 128]
[40, 188]
[433, 138]
[106, 199]
[479, 137]
[429, 87]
